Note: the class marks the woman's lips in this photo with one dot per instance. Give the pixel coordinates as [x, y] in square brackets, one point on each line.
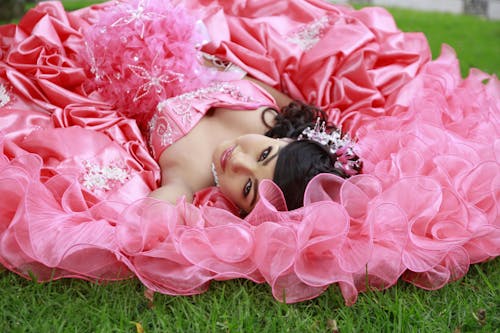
[226, 156]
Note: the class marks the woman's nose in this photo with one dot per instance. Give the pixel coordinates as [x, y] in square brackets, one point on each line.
[242, 163]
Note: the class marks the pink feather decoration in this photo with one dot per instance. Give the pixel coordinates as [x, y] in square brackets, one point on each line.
[140, 52]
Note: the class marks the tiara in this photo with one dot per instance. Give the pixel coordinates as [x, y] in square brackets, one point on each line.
[340, 146]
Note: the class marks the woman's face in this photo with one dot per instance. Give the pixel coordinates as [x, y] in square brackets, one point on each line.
[242, 163]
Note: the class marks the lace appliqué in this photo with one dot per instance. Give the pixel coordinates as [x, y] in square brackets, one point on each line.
[181, 107]
[309, 34]
[4, 96]
[97, 178]
[162, 129]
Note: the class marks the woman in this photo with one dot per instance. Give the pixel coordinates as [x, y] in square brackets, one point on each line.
[241, 158]
[424, 208]
[202, 123]
[186, 163]
[239, 163]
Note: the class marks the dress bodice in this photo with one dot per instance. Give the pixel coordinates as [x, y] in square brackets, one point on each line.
[176, 116]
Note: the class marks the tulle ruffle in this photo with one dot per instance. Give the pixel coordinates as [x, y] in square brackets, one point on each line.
[74, 173]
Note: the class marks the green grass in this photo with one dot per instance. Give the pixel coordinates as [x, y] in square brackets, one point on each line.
[476, 40]
[70, 5]
[471, 304]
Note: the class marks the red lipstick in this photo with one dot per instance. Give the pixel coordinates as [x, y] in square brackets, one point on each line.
[226, 156]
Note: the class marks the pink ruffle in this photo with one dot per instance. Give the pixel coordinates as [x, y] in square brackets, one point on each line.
[75, 173]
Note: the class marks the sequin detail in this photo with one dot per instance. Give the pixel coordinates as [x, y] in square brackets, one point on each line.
[309, 34]
[4, 96]
[103, 178]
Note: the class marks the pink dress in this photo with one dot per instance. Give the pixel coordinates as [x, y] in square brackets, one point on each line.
[75, 171]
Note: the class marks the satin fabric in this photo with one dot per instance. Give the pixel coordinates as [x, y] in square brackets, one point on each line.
[347, 62]
[75, 173]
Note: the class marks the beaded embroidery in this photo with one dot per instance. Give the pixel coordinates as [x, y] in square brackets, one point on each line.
[309, 34]
[182, 104]
[4, 96]
[102, 178]
[153, 80]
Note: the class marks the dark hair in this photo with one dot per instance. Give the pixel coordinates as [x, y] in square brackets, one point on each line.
[293, 119]
[299, 161]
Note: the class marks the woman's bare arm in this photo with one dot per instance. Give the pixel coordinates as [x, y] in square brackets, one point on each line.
[171, 192]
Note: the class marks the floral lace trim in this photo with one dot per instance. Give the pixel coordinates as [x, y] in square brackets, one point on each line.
[309, 34]
[181, 105]
[182, 108]
[163, 130]
[103, 178]
[4, 96]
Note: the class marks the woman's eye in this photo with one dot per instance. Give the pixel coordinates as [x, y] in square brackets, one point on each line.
[247, 188]
[265, 153]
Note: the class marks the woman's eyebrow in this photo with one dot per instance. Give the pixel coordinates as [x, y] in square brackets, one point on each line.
[270, 158]
[256, 181]
[255, 188]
